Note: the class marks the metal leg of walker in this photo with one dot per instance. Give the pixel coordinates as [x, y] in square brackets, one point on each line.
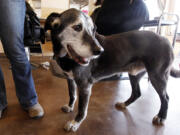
[176, 23]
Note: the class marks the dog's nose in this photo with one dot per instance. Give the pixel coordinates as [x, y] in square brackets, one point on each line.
[98, 52]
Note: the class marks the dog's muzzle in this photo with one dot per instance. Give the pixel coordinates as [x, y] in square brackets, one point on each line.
[79, 59]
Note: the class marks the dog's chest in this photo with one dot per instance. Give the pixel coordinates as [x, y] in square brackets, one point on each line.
[67, 65]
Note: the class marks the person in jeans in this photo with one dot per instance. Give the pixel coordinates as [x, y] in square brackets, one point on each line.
[12, 15]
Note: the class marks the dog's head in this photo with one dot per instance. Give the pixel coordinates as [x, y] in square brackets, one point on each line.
[76, 33]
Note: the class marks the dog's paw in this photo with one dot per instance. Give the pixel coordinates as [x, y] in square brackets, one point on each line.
[120, 106]
[72, 126]
[67, 108]
[158, 121]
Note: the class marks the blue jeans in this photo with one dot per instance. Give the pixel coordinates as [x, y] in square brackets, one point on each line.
[12, 15]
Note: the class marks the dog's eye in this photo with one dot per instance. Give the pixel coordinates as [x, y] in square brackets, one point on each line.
[77, 27]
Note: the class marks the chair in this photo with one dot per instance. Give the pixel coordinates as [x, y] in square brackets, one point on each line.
[164, 22]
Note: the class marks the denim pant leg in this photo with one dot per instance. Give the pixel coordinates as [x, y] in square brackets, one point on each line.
[3, 100]
[12, 15]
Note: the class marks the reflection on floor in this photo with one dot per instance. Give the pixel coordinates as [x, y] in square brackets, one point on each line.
[102, 119]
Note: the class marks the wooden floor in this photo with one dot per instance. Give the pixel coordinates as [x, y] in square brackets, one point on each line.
[102, 119]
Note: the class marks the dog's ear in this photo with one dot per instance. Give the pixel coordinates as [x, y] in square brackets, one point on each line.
[52, 21]
[55, 23]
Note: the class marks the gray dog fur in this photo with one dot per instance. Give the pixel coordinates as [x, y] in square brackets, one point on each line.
[135, 52]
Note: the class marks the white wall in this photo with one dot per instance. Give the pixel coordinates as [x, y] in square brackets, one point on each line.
[61, 4]
[177, 11]
[153, 8]
[48, 6]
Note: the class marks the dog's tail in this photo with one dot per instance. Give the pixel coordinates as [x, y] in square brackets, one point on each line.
[175, 73]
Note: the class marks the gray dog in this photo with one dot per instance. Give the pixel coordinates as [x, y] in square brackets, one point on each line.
[84, 57]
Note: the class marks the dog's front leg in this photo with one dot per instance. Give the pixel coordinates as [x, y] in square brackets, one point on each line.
[72, 95]
[84, 96]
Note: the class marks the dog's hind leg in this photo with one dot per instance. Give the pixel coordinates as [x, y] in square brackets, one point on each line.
[72, 95]
[159, 82]
[136, 93]
[84, 96]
